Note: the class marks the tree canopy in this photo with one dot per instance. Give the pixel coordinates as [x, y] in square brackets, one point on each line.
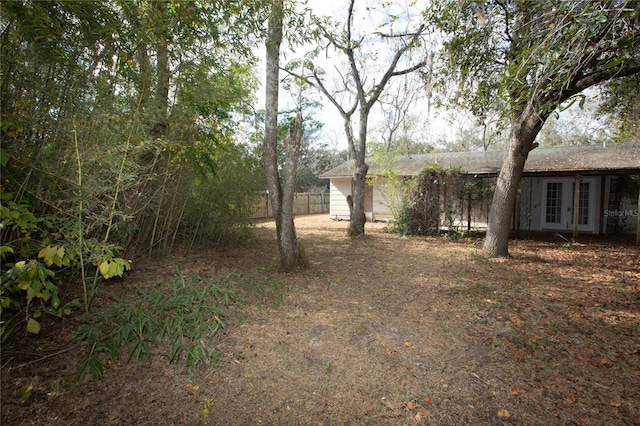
[620, 103]
[132, 89]
[507, 54]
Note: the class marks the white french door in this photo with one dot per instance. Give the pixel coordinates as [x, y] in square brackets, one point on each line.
[557, 204]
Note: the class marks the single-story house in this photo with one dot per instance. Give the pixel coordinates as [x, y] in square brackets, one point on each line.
[608, 176]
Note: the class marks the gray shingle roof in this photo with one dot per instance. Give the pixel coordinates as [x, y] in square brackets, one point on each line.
[621, 158]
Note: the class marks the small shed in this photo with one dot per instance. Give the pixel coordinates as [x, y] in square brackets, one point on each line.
[608, 178]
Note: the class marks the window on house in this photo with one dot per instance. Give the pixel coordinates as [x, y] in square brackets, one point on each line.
[554, 202]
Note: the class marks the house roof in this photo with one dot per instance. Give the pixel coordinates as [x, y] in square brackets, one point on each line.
[589, 159]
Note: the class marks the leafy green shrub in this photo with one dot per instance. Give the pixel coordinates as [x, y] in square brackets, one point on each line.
[420, 214]
[439, 196]
[27, 286]
[401, 222]
[37, 256]
[218, 208]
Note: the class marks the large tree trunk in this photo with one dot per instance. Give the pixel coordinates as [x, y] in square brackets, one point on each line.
[358, 218]
[281, 198]
[290, 253]
[524, 129]
[365, 100]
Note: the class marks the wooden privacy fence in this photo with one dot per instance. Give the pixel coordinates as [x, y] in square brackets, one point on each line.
[303, 203]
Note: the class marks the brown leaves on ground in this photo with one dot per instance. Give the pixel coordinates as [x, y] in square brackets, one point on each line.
[504, 414]
[442, 336]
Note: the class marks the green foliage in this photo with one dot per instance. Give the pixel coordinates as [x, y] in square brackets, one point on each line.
[572, 132]
[206, 408]
[120, 133]
[119, 130]
[422, 209]
[79, 83]
[394, 188]
[185, 316]
[38, 256]
[144, 96]
[114, 267]
[620, 102]
[213, 211]
[24, 393]
[500, 56]
[27, 285]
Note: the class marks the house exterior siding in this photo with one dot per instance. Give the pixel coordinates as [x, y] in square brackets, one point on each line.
[381, 201]
[376, 200]
[533, 204]
[608, 202]
[339, 189]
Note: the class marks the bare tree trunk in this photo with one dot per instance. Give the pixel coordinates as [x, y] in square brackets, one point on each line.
[281, 197]
[290, 253]
[358, 218]
[143, 82]
[524, 130]
[162, 89]
[274, 39]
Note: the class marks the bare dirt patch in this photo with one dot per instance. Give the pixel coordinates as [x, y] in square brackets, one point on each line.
[381, 329]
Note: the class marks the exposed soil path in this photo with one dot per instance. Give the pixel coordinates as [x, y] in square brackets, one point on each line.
[384, 330]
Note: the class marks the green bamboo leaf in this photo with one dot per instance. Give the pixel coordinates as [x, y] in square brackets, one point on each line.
[4, 250]
[4, 157]
[615, 62]
[33, 326]
[58, 257]
[42, 254]
[30, 295]
[23, 284]
[24, 393]
[51, 251]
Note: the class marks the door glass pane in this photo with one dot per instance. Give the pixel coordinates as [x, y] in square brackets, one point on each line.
[554, 202]
[583, 202]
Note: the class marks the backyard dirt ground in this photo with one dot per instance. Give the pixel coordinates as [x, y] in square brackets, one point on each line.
[379, 330]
